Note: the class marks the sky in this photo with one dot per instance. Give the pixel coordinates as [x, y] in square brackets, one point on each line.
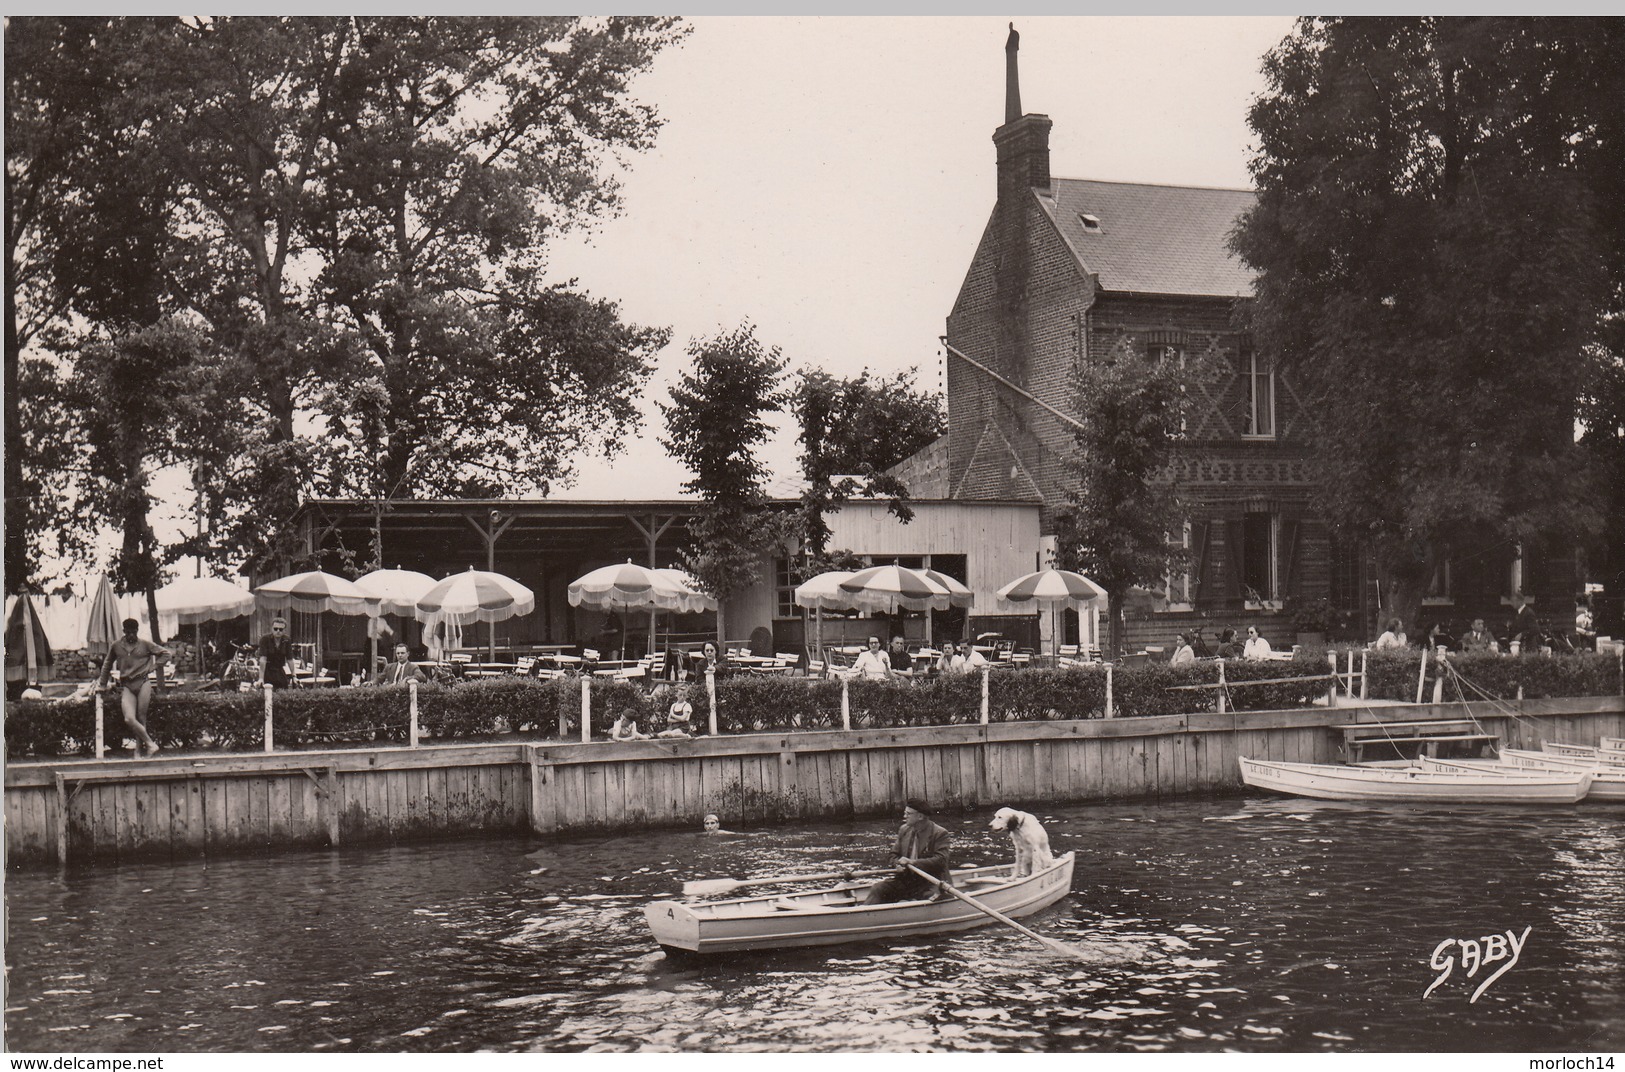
[828, 179]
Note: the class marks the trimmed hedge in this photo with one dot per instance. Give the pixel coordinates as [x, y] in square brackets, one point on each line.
[527, 707]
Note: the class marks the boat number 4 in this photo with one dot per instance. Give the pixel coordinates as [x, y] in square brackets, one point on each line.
[1476, 953]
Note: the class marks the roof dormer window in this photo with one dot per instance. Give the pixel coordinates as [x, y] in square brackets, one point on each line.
[1090, 223]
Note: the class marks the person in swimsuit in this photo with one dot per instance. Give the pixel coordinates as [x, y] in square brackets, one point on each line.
[135, 660]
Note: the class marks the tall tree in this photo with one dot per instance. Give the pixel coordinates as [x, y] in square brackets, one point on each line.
[1436, 219]
[1125, 506]
[475, 141]
[852, 431]
[715, 423]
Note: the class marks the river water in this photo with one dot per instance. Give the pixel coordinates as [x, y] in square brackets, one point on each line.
[1250, 924]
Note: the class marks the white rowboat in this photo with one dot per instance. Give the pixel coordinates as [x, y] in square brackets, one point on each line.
[829, 915]
[1325, 781]
[1605, 785]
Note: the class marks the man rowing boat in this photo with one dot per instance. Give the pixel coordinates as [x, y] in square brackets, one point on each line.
[922, 843]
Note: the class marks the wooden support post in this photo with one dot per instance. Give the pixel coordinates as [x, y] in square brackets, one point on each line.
[711, 695]
[538, 791]
[1108, 690]
[1438, 683]
[1422, 673]
[327, 804]
[61, 819]
[984, 695]
[586, 708]
[270, 745]
[1331, 686]
[1224, 701]
[101, 727]
[846, 705]
[1619, 650]
[412, 712]
[1363, 678]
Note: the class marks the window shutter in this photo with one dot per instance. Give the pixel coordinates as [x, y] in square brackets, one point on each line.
[1290, 530]
[1199, 530]
[1233, 537]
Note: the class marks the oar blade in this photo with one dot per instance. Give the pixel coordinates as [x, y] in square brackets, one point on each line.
[710, 887]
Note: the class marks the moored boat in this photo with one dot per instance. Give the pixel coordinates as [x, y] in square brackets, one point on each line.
[1325, 781]
[834, 914]
[1607, 782]
[1605, 785]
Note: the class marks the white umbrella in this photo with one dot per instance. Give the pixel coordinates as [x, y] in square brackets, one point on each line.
[1054, 588]
[628, 586]
[692, 599]
[195, 600]
[477, 596]
[398, 592]
[820, 592]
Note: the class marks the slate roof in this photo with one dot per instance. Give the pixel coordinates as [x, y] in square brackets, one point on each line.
[1154, 239]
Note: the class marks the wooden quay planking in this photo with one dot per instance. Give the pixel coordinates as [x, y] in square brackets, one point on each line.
[216, 804]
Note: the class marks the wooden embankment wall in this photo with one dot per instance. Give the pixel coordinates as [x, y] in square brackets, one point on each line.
[190, 805]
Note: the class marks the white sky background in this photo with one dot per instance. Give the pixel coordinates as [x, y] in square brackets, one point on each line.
[828, 178]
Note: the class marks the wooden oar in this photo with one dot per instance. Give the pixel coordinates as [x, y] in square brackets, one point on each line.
[707, 887]
[1050, 943]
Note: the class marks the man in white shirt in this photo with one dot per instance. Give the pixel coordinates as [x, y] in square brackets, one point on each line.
[1257, 647]
[967, 659]
[873, 663]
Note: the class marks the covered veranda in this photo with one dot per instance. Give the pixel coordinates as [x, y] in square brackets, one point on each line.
[543, 544]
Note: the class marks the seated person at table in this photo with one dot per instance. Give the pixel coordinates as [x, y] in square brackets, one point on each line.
[1438, 637]
[1478, 638]
[1257, 647]
[709, 660]
[679, 717]
[922, 843]
[1393, 637]
[400, 671]
[873, 663]
[626, 728]
[965, 660]
[901, 661]
[1184, 654]
[1228, 648]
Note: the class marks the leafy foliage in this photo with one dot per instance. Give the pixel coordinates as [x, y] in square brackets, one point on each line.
[714, 424]
[1123, 505]
[852, 430]
[1438, 217]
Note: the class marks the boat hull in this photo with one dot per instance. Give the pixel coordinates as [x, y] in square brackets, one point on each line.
[763, 923]
[1324, 781]
[1607, 783]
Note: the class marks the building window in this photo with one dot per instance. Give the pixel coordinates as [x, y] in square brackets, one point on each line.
[1438, 593]
[784, 587]
[1259, 533]
[1178, 585]
[1260, 397]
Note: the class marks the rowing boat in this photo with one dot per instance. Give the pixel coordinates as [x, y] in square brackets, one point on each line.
[1325, 781]
[1607, 783]
[833, 915]
[1604, 754]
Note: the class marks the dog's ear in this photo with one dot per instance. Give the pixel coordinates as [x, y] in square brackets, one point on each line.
[1015, 821]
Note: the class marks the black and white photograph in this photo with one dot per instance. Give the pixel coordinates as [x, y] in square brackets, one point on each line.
[877, 535]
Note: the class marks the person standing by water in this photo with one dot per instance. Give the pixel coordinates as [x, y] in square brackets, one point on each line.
[276, 653]
[922, 843]
[136, 660]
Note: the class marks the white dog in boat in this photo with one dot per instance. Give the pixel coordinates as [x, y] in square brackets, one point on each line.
[1027, 837]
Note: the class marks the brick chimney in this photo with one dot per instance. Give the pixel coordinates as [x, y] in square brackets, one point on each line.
[1022, 143]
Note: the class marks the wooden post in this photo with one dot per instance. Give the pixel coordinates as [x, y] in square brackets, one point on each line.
[412, 711]
[1224, 701]
[846, 704]
[101, 727]
[1422, 673]
[1108, 690]
[984, 695]
[1619, 650]
[1331, 686]
[711, 694]
[1363, 677]
[586, 708]
[269, 745]
[1438, 683]
[61, 810]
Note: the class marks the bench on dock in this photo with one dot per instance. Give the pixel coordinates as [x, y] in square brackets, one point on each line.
[1419, 738]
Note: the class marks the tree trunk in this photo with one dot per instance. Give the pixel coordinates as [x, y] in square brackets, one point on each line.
[18, 566]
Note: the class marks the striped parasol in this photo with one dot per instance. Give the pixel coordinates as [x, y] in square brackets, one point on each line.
[314, 592]
[476, 596]
[823, 592]
[958, 594]
[891, 588]
[628, 586]
[693, 599]
[104, 626]
[1053, 586]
